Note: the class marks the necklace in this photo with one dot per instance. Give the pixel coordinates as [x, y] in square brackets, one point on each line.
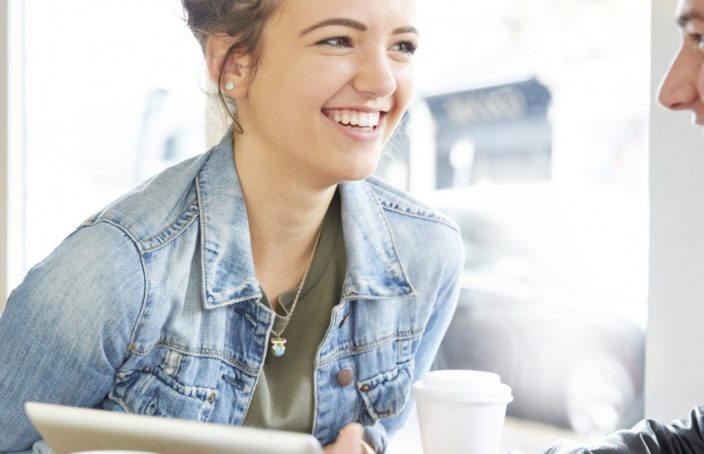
[278, 342]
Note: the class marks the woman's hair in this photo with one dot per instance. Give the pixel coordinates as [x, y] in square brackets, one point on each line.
[244, 20]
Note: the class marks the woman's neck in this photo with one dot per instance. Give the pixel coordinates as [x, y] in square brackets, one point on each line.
[285, 213]
[280, 203]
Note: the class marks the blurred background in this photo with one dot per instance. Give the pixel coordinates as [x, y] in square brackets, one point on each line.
[530, 129]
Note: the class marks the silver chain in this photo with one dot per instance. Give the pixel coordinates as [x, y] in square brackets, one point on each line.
[300, 286]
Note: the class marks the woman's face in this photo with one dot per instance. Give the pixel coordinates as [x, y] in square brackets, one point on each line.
[683, 87]
[334, 80]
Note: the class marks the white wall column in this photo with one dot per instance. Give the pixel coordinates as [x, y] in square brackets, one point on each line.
[4, 145]
[12, 146]
[674, 359]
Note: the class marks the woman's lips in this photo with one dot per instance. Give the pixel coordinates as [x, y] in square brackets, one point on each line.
[356, 132]
[354, 117]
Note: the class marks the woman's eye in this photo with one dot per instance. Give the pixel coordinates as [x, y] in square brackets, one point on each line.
[338, 41]
[406, 47]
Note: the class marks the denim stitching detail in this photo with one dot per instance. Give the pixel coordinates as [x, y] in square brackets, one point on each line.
[208, 353]
[203, 242]
[131, 347]
[357, 296]
[356, 349]
[393, 241]
[174, 230]
[123, 230]
[237, 384]
[418, 211]
[119, 401]
[386, 377]
[407, 210]
[430, 218]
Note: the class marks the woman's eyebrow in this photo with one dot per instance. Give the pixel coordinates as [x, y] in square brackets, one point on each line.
[340, 21]
[335, 21]
[402, 30]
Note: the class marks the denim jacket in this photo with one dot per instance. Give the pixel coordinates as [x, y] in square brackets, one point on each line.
[152, 307]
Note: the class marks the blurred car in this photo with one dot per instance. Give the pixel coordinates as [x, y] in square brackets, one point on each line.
[553, 300]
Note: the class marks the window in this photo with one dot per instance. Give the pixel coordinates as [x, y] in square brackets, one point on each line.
[536, 115]
[114, 92]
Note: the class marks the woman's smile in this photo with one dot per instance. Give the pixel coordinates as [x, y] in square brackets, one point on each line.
[356, 124]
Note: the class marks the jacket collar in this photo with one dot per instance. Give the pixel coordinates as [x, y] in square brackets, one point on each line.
[374, 269]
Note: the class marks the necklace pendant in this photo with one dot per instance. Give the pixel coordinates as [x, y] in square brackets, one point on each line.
[278, 346]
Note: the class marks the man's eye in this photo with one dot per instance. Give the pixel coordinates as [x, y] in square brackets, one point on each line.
[406, 47]
[338, 41]
[698, 40]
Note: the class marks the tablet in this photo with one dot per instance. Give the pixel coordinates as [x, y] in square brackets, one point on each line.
[71, 429]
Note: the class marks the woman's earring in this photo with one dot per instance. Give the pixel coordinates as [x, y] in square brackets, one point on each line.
[229, 85]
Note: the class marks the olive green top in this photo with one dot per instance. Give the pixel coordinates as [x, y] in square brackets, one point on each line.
[283, 397]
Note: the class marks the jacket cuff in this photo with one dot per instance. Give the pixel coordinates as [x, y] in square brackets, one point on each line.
[376, 437]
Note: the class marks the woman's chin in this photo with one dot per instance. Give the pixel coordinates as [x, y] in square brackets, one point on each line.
[360, 170]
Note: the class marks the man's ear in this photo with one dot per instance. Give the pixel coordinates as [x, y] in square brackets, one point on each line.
[233, 66]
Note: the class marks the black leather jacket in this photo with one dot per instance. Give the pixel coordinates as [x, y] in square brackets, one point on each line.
[647, 437]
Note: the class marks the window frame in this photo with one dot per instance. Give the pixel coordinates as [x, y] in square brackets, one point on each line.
[4, 119]
[12, 140]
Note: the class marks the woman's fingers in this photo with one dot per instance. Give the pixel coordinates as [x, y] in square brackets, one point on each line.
[349, 441]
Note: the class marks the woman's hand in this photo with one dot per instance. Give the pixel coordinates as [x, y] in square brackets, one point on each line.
[349, 441]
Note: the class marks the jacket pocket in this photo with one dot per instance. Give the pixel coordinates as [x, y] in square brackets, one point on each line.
[385, 394]
[153, 392]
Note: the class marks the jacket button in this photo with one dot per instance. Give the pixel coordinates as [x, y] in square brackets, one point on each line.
[345, 376]
[365, 388]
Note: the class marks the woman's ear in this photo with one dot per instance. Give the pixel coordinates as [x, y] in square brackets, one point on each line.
[227, 71]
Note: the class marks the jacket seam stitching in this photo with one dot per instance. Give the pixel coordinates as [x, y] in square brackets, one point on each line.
[207, 353]
[203, 242]
[419, 216]
[178, 232]
[119, 401]
[393, 240]
[138, 321]
[378, 183]
[357, 296]
[367, 347]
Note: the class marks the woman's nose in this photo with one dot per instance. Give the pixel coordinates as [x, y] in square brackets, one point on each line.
[376, 76]
[679, 90]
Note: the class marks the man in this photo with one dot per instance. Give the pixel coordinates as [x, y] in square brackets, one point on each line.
[682, 89]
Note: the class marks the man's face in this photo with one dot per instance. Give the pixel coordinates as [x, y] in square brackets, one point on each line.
[683, 87]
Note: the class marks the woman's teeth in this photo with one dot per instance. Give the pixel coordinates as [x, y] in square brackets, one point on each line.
[355, 118]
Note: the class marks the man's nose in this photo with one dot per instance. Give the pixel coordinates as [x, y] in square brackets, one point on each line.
[679, 89]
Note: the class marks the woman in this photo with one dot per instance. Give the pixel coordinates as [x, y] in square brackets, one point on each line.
[270, 282]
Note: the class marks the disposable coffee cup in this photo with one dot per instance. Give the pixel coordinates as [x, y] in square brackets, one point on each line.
[461, 411]
[112, 451]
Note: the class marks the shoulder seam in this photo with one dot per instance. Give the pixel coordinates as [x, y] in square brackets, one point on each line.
[174, 229]
[145, 277]
[159, 239]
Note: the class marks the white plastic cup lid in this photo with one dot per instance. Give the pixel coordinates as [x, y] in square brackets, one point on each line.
[463, 386]
[112, 451]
